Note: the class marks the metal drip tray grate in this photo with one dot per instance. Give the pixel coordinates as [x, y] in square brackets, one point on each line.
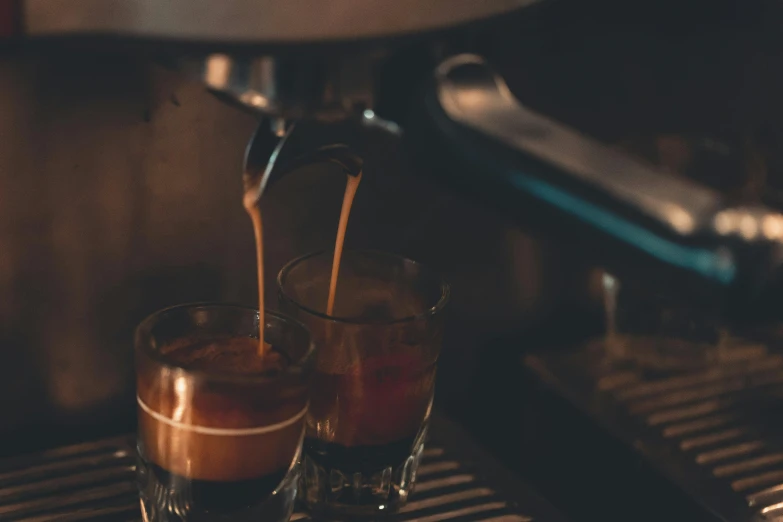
[716, 433]
[95, 481]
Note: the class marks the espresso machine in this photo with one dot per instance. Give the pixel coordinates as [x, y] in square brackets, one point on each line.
[176, 89]
[291, 63]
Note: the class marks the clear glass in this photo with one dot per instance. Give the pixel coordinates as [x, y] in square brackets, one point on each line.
[659, 335]
[375, 376]
[219, 432]
[656, 334]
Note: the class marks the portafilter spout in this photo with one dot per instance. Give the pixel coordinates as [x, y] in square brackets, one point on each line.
[277, 149]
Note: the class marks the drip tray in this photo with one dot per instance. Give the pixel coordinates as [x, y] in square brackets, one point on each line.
[715, 434]
[95, 481]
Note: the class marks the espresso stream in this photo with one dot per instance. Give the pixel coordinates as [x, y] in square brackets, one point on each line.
[250, 203]
[350, 191]
[251, 206]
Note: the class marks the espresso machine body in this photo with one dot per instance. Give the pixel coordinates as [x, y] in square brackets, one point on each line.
[292, 62]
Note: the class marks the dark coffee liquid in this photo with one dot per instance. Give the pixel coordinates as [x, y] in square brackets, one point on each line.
[350, 191]
[222, 497]
[216, 449]
[364, 459]
[385, 477]
[378, 401]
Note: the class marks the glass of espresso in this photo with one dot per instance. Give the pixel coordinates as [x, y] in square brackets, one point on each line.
[220, 425]
[374, 378]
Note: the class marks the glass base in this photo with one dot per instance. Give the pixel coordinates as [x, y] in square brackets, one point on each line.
[338, 481]
[166, 497]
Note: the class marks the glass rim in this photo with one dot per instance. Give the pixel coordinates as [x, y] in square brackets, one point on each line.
[445, 289]
[255, 378]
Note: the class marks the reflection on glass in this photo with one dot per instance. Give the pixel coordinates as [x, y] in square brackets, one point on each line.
[375, 377]
[220, 428]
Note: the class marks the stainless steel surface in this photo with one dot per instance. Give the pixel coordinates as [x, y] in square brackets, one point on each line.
[714, 433]
[261, 157]
[292, 87]
[96, 481]
[273, 76]
[254, 21]
[473, 94]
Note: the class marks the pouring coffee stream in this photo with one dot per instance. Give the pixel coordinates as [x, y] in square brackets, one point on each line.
[271, 154]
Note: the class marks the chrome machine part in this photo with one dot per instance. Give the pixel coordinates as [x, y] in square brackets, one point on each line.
[258, 67]
[274, 152]
[632, 218]
[291, 87]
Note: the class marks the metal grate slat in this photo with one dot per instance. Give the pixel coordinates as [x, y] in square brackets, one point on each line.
[722, 423]
[95, 481]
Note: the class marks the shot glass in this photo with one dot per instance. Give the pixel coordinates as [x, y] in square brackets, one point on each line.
[219, 428]
[655, 333]
[374, 378]
[658, 335]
